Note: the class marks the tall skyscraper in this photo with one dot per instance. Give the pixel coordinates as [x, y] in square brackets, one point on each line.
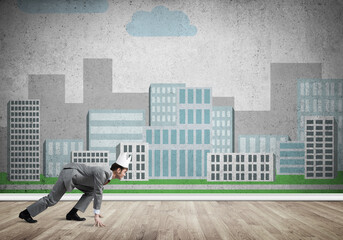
[179, 151]
[23, 121]
[107, 128]
[57, 152]
[222, 129]
[320, 156]
[321, 97]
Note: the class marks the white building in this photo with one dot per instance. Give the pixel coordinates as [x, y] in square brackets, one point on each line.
[23, 122]
[91, 158]
[138, 167]
[241, 167]
[320, 148]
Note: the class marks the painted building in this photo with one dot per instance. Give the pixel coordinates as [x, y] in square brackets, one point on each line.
[57, 152]
[107, 128]
[23, 140]
[292, 158]
[321, 97]
[179, 151]
[241, 167]
[139, 165]
[260, 143]
[91, 158]
[222, 129]
[162, 104]
[320, 156]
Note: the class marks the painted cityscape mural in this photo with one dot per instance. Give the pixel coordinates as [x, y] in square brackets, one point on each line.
[207, 97]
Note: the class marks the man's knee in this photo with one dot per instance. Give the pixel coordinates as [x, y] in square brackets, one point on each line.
[50, 201]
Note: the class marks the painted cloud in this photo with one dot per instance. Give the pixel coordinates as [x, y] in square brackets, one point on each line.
[160, 22]
[63, 6]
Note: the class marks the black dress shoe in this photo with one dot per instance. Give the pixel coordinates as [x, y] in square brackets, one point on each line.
[74, 217]
[27, 217]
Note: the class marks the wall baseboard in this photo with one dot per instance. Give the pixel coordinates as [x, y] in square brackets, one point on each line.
[183, 197]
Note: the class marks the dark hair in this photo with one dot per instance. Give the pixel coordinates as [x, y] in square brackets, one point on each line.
[115, 166]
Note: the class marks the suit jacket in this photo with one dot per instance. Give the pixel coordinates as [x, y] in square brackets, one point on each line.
[93, 177]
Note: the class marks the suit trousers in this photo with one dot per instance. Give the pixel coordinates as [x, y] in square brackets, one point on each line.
[58, 190]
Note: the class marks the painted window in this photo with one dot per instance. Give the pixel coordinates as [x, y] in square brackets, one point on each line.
[182, 163]
[165, 163]
[190, 96]
[157, 164]
[190, 116]
[198, 96]
[207, 97]
[198, 137]
[190, 164]
[207, 116]
[182, 96]
[182, 113]
[165, 136]
[157, 136]
[207, 136]
[173, 136]
[182, 137]
[190, 136]
[173, 166]
[198, 116]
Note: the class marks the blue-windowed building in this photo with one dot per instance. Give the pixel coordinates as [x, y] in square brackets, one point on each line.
[321, 97]
[162, 103]
[222, 129]
[107, 128]
[57, 152]
[180, 150]
[292, 158]
[262, 144]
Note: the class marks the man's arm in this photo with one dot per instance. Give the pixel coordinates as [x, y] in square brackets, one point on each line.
[98, 188]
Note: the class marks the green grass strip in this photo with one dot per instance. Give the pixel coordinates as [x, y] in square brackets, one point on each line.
[279, 179]
[185, 191]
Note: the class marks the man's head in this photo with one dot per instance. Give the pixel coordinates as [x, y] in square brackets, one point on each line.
[121, 165]
[118, 171]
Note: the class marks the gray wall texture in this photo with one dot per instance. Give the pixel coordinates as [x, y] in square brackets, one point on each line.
[249, 52]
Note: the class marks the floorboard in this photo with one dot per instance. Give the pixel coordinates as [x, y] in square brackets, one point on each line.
[181, 220]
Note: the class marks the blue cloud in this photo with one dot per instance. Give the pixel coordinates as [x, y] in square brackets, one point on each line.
[160, 22]
[63, 6]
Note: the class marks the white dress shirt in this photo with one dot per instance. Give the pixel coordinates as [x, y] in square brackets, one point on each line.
[97, 211]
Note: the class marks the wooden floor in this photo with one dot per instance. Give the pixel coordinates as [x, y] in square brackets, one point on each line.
[181, 220]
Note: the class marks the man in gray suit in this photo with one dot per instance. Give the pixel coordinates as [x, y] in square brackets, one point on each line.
[88, 179]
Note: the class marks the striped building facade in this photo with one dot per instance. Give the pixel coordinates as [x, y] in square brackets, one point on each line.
[107, 128]
[57, 152]
[292, 158]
